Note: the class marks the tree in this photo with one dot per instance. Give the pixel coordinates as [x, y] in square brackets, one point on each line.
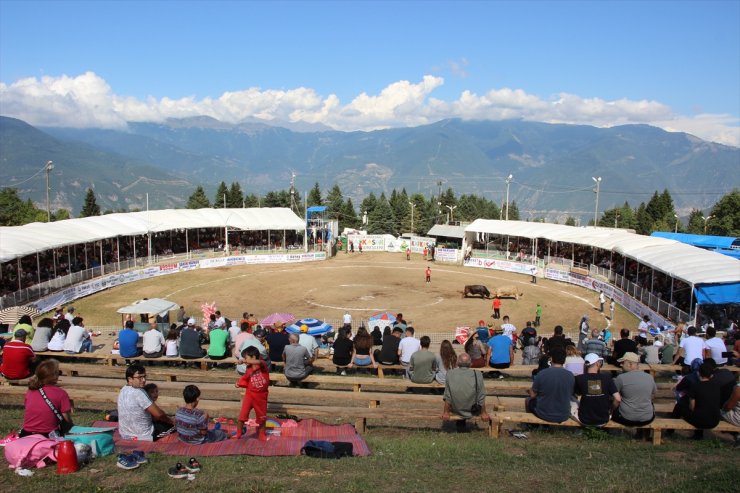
[14, 211]
[235, 197]
[570, 221]
[368, 204]
[726, 212]
[399, 202]
[314, 196]
[696, 223]
[91, 207]
[60, 215]
[219, 198]
[251, 200]
[381, 220]
[513, 211]
[643, 220]
[198, 199]
[349, 216]
[334, 202]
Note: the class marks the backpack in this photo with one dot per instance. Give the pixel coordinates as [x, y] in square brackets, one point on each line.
[327, 450]
[30, 451]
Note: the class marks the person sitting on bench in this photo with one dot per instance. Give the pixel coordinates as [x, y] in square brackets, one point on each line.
[551, 391]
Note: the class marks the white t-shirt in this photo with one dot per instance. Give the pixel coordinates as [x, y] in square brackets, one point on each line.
[693, 348]
[643, 328]
[717, 346]
[171, 347]
[407, 347]
[153, 341]
[347, 319]
[57, 341]
[509, 330]
[308, 342]
[234, 331]
[602, 298]
[75, 336]
[134, 422]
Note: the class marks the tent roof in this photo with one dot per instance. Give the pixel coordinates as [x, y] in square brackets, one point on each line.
[19, 241]
[447, 231]
[691, 264]
[703, 241]
[153, 305]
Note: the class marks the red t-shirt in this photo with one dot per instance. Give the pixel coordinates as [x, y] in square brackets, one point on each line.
[17, 358]
[38, 417]
[256, 379]
[496, 303]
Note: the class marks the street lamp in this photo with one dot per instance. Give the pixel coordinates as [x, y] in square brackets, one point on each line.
[508, 181]
[49, 166]
[413, 205]
[675, 230]
[451, 208]
[616, 219]
[706, 220]
[596, 209]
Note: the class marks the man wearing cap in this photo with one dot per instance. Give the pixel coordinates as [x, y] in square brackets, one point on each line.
[598, 393]
[637, 390]
[388, 353]
[463, 389]
[191, 339]
[309, 342]
[550, 395]
[18, 357]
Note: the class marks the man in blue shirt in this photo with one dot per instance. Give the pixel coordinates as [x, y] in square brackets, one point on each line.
[128, 340]
[500, 352]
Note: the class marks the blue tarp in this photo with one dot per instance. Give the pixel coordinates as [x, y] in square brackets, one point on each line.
[717, 294]
[701, 241]
[317, 208]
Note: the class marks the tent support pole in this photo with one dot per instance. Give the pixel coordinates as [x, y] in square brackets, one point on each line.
[18, 272]
[38, 268]
[133, 244]
[118, 252]
[692, 308]
[86, 264]
[54, 260]
[102, 262]
[671, 302]
[69, 261]
[187, 246]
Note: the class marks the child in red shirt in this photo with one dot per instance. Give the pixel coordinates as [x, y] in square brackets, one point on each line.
[257, 382]
[428, 273]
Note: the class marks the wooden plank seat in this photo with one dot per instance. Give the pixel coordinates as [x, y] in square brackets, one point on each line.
[677, 368]
[100, 354]
[516, 404]
[657, 427]
[203, 362]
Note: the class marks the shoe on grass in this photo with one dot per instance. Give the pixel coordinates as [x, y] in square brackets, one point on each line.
[127, 462]
[193, 465]
[139, 456]
[178, 472]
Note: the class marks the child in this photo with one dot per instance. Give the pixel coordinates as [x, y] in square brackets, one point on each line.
[428, 274]
[152, 391]
[256, 380]
[408, 253]
[537, 315]
[192, 423]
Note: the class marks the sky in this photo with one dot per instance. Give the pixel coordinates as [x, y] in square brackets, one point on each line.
[369, 65]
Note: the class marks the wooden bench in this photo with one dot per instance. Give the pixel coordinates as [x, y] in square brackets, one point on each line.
[204, 362]
[517, 404]
[657, 427]
[97, 355]
[677, 368]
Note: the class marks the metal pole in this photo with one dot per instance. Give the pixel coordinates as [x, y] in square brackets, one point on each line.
[508, 181]
[49, 167]
[118, 251]
[596, 209]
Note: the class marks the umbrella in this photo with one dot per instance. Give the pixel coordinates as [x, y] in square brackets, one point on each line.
[277, 318]
[10, 316]
[315, 327]
[383, 316]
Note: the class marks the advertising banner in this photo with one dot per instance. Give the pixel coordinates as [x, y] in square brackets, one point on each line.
[446, 254]
[489, 263]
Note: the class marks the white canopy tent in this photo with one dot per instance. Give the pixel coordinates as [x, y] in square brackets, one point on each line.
[153, 305]
[19, 241]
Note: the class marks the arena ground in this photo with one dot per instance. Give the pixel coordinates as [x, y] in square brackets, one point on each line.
[362, 284]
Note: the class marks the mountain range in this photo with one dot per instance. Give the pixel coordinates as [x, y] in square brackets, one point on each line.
[552, 164]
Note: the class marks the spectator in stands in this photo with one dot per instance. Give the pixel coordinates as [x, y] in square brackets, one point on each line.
[583, 332]
[595, 345]
[191, 339]
[343, 348]
[573, 361]
[79, 339]
[192, 423]
[550, 394]
[138, 417]
[128, 340]
[532, 353]
[407, 347]
[388, 353]
[637, 390]
[691, 348]
[42, 336]
[500, 353]
[180, 317]
[309, 342]
[528, 332]
[446, 360]
[508, 328]
[623, 346]
[298, 361]
[642, 330]
[362, 353]
[423, 363]
[70, 315]
[598, 393]
[476, 350]
[60, 335]
[650, 353]
[26, 324]
[464, 389]
[153, 342]
[276, 339]
[731, 410]
[234, 331]
[257, 341]
[18, 357]
[377, 336]
[38, 418]
[558, 340]
[702, 407]
[244, 334]
[152, 391]
[219, 338]
[666, 351]
[714, 347]
[171, 348]
[483, 332]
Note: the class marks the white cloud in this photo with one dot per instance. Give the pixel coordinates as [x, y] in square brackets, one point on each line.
[88, 101]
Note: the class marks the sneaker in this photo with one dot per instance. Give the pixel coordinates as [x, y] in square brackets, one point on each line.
[178, 472]
[193, 465]
[10, 438]
[344, 373]
[127, 461]
[139, 456]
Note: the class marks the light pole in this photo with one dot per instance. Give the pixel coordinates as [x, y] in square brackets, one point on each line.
[675, 230]
[616, 219]
[706, 220]
[439, 212]
[508, 181]
[451, 208]
[49, 167]
[413, 205]
[596, 209]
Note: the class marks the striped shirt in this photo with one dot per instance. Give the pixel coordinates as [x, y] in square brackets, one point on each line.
[189, 423]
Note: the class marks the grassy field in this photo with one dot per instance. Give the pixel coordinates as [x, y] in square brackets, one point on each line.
[421, 461]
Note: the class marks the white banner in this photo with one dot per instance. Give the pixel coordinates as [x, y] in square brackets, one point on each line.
[446, 254]
[370, 243]
[489, 263]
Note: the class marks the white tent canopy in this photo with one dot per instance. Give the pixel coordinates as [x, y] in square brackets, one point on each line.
[691, 264]
[153, 305]
[19, 241]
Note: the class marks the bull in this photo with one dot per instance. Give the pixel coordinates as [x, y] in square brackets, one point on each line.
[509, 292]
[476, 289]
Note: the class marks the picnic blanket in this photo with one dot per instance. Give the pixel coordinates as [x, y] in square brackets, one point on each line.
[289, 442]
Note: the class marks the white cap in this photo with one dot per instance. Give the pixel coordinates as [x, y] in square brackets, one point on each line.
[592, 358]
[191, 321]
[658, 344]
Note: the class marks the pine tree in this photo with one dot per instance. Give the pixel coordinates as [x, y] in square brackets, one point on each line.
[314, 196]
[349, 217]
[251, 200]
[335, 203]
[381, 220]
[235, 197]
[91, 207]
[696, 223]
[198, 200]
[643, 220]
[220, 197]
[726, 212]
[368, 204]
[570, 221]
[513, 211]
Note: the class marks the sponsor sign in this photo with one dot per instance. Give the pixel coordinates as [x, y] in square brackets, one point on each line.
[446, 254]
[489, 263]
[188, 265]
[370, 243]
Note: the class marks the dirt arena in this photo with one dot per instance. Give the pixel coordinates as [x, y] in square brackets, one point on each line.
[362, 284]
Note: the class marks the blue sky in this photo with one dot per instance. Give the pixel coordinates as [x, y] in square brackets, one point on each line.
[671, 64]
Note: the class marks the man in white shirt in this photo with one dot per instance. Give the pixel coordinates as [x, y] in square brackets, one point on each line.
[70, 315]
[714, 347]
[642, 330]
[347, 320]
[508, 328]
[691, 348]
[309, 342]
[602, 300]
[138, 417]
[153, 342]
[78, 338]
[407, 347]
